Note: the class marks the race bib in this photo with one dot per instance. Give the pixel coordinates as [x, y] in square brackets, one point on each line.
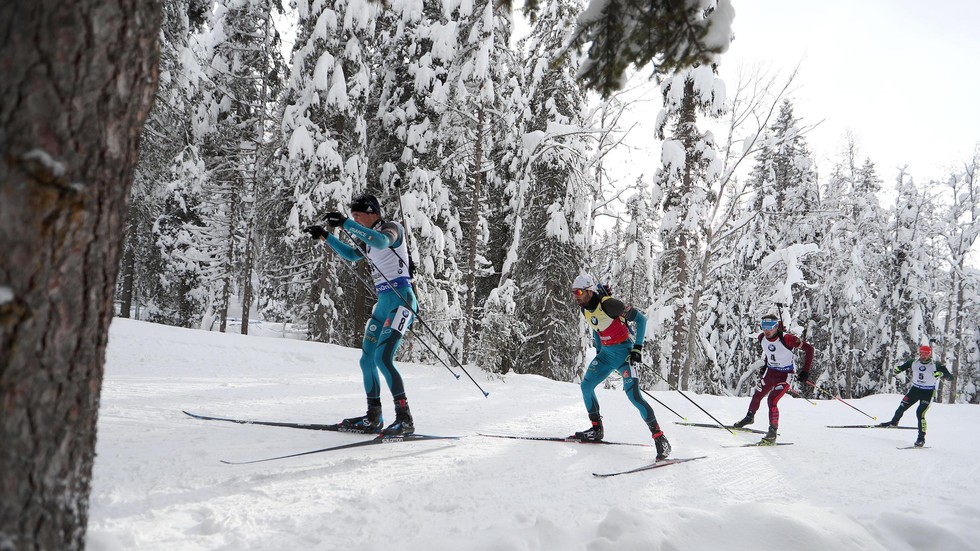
[403, 317]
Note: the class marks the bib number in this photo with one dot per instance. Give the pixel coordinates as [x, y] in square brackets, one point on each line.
[403, 318]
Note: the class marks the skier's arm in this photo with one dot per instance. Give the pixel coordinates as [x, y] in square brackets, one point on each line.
[640, 320]
[942, 372]
[905, 366]
[387, 237]
[343, 249]
[807, 360]
[763, 362]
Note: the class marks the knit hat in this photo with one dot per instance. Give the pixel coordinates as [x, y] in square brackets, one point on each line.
[925, 350]
[366, 203]
[584, 282]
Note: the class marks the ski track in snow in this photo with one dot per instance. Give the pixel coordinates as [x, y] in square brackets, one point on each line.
[158, 483]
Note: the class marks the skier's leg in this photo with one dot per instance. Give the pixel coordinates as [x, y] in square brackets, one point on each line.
[599, 368]
[369, 370]
[779, 390]
[397, 320]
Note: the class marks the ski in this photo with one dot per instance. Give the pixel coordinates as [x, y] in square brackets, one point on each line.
[654, 465]
[711, 426]
[759, 445]
[913, 447]
[867, 427]
[308, 426]
[564, 439]
[373, 442]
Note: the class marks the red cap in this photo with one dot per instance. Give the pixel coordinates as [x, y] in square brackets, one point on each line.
[925, 350]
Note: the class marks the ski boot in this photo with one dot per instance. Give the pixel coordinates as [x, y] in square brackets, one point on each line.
[770, 438]
[892, 423]
[367, 424]
[403, 425]
[593, 434]
[920, 441]
[663, 446]
[747, 420]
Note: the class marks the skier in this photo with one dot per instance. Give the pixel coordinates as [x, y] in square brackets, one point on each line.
[618, 350]
[385, 248]
[777, 363]
[924, 374]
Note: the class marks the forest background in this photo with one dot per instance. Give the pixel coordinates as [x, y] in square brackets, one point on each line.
[505, 171]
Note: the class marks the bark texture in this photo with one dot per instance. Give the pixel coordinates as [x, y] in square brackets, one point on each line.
[77, 80]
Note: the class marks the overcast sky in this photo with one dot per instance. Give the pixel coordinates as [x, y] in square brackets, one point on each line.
[901, 75]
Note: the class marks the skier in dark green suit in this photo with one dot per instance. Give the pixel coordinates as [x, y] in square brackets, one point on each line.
[924, 374]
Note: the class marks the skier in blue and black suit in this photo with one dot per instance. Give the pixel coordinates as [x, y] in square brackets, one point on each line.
[384, 246]
[618, 350]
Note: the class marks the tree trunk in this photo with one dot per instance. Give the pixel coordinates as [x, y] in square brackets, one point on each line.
[958, 348]
[128, 273]
[247, 270]
[851, 361]
[77, 81]
[474, 236]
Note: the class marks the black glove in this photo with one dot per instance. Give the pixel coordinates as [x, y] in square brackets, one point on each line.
[636, 354]
[335, 219]
[316, 232]
[802, 377]
[762, 371]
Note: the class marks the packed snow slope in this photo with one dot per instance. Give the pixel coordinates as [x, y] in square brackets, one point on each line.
[159, 484]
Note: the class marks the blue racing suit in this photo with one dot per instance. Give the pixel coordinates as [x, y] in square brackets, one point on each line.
[609, 318]
[386, 249]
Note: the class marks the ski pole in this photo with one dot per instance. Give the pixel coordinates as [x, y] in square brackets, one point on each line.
[838, 398]
[664, 405]
[408, 243]
[798, 395]
[418, 317]
[672, 387]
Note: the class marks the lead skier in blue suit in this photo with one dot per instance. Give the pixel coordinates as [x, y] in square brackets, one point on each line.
[384, 245]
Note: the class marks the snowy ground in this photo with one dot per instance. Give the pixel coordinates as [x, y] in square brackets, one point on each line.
[158, 483]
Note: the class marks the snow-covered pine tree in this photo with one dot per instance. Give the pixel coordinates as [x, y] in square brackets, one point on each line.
[162, 290]
[668, 36]
[416, 43]
[690, 166]
[242, 65]
[550, 213]
[849, 265]
[908, 301]
[326, 156]
[729, 315]
[960, 235]
[478, 142]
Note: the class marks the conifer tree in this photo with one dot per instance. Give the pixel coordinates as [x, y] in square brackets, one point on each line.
[477, 144]
[669, 36]
[850, 260]
[690, 165]
[409, 99]
[326, 159]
